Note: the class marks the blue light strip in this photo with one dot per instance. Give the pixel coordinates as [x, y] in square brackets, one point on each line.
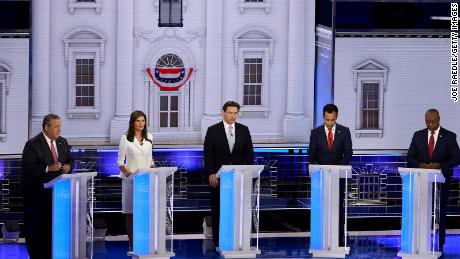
[227, 208]
[61, 219]
[407, 213]
[2, 169]
[141, 214]
[316, 212]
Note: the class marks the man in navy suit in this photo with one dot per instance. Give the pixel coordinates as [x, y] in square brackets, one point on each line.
[44, 157]
[330, 144]
[226, 143]
[436, 148]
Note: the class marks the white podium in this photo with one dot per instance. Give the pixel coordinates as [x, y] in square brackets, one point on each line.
[417, 234]
[151, 218]
[324, 219]
[70, 198]
[236, 210]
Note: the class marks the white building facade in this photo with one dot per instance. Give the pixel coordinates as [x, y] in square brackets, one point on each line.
[383, 87]
[90, 61]
[14, 92]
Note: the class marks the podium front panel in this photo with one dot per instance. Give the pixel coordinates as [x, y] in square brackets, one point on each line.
[62, 201]
[141, 214]
[407, 223]
[227, 217]
[316, 210]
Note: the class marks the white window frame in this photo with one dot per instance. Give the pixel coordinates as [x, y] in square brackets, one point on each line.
[73, 4]
[80, 55]
[254, 43]
[265, 5]
[362, 81]
[179, 115]
[77, 48]
[5, 73]
[369, 72]
[254, 53]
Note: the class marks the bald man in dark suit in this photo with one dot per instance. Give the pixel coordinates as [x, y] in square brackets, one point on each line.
[436, 148]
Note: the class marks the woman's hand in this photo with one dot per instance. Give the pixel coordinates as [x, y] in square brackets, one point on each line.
[125, 170]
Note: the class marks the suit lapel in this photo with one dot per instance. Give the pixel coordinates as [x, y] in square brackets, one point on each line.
[60, 150]
[337, 136]
[425, 144]
[223, 137]
[237, 137]
[46, 149]
[323, 138]
[439, 142]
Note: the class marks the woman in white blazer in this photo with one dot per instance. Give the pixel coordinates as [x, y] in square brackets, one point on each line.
[134, 152]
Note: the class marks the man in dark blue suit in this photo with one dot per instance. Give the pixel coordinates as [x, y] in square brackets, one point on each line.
[330, 144]
[436, 148]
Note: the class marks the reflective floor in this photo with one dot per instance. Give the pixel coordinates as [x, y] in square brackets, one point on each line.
[362, 247]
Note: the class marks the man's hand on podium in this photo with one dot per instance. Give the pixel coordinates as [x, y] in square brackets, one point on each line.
[66, 168]
[54, 167]
[213, 181]
[430, 165]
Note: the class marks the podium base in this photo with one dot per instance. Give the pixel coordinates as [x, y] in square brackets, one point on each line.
[166, 255]
[239, 254]
[427, 255]
[339, 252]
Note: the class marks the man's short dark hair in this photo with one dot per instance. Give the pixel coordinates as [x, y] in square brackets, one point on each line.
[47, 119]
[432, 110]
[230, 104]
[330, 108]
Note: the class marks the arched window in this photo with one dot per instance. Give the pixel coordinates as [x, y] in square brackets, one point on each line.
[170, 60]
[84, 55]
[370, 82]
[169, 101]
[253, 53]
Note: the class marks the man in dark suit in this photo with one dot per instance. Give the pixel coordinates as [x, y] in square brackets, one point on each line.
[330, 144]
[226, 143]
[436, 148]
[45, 157]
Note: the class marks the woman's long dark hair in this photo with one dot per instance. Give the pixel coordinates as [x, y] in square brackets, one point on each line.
[130, 133]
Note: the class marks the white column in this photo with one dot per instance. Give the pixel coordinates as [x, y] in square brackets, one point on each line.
[295, 124]
[213, 72]
[310, 52]
[40, 64]
[124, 71]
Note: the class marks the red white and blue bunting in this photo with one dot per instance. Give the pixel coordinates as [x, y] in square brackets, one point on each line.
[170, 78]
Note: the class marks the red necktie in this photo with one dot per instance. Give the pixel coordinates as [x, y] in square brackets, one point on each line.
[330, 139]
[53, 152]
[431, 145]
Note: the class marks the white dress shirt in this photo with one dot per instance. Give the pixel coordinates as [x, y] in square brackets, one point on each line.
[326, 129]
[226, 125]
[230, 139]
[435, 135]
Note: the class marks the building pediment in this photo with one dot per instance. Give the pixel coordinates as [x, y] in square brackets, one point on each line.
[370, 65]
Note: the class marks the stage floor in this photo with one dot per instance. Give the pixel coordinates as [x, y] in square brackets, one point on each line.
[362, 247]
